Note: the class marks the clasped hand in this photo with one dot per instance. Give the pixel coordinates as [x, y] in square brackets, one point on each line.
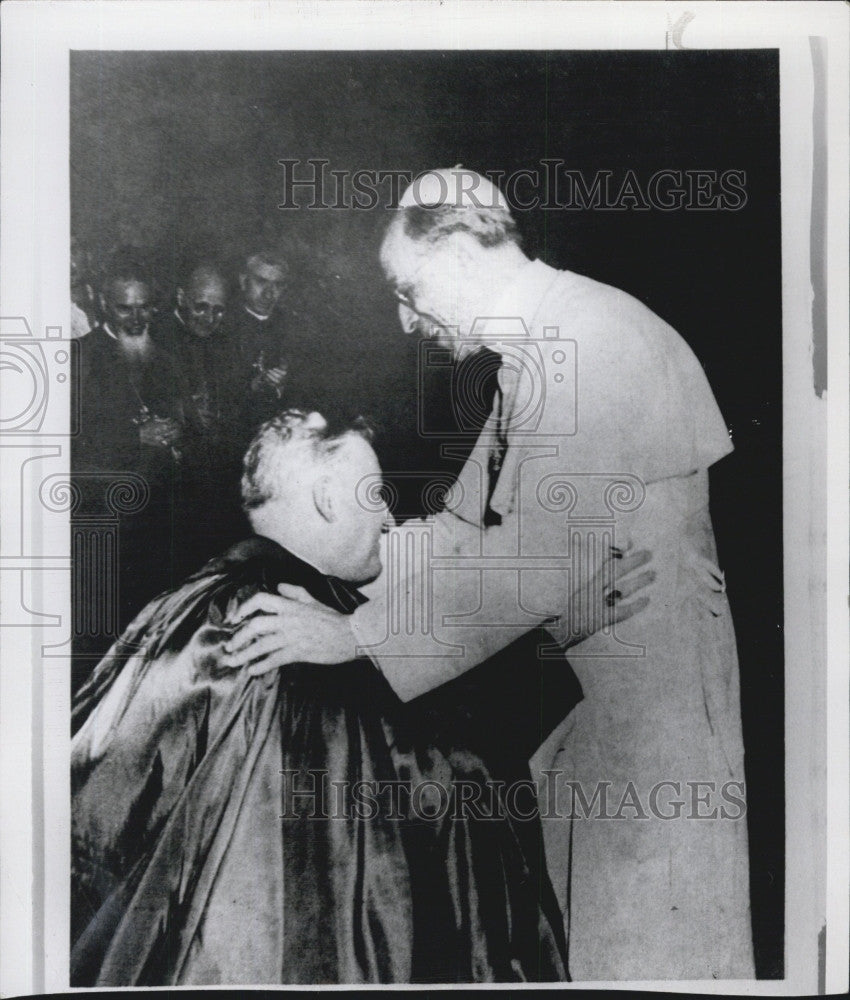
[160, 432]
[270, 377]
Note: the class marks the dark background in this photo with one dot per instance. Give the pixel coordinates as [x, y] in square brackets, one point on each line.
[178, 152]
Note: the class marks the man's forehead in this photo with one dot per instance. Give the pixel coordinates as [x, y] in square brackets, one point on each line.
[268, 272]
[128, 288]
[356, 452]
[207, 286]
[352, 460]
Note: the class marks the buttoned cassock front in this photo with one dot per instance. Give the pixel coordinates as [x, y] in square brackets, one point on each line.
[610, 428]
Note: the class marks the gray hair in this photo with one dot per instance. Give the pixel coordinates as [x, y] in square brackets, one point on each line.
[291, 436]
[491, 226]
[270, 258]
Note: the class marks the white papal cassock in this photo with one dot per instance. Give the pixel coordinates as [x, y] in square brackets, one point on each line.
[610, 427]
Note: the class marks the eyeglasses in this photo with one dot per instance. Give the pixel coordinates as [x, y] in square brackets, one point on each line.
[204, 308]
[403, 294]
[404, 299]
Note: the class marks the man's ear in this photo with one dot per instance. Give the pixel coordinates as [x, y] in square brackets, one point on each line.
[242, 277]
[181, 298]
[408, 318]
[324, 499]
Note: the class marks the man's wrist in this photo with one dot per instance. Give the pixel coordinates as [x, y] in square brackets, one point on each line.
[346, 641]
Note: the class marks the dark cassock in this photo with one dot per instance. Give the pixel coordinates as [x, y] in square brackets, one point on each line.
[113, 397]
[210, 511]
[201, 364]
[260, 345]
[222, 828]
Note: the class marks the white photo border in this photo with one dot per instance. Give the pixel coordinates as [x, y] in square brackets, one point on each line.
[34, 691]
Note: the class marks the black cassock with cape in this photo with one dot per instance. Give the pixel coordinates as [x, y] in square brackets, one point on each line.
[229, 829]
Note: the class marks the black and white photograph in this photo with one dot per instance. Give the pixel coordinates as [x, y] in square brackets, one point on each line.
[437, 437]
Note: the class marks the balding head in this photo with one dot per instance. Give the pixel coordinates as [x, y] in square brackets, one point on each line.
[427, 227]
[202, 300]
[441, 203]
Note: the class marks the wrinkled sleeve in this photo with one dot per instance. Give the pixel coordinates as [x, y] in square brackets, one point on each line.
[451, 596]
[454, 593]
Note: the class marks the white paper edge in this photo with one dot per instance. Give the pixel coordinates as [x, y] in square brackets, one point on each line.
[35, 41]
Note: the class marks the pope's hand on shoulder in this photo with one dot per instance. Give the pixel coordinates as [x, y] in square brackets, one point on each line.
[273, 630]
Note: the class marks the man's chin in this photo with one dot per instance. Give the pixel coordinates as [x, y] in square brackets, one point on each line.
[370, 573]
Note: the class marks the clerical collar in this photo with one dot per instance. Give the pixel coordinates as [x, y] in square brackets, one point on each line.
[275, 564]
[262, 319]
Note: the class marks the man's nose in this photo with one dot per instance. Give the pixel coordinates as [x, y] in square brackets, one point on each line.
[408, 318]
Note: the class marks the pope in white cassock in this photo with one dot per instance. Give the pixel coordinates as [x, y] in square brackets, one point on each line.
[601, 436]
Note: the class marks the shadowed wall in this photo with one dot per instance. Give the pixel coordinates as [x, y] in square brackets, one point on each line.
[176, 151]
